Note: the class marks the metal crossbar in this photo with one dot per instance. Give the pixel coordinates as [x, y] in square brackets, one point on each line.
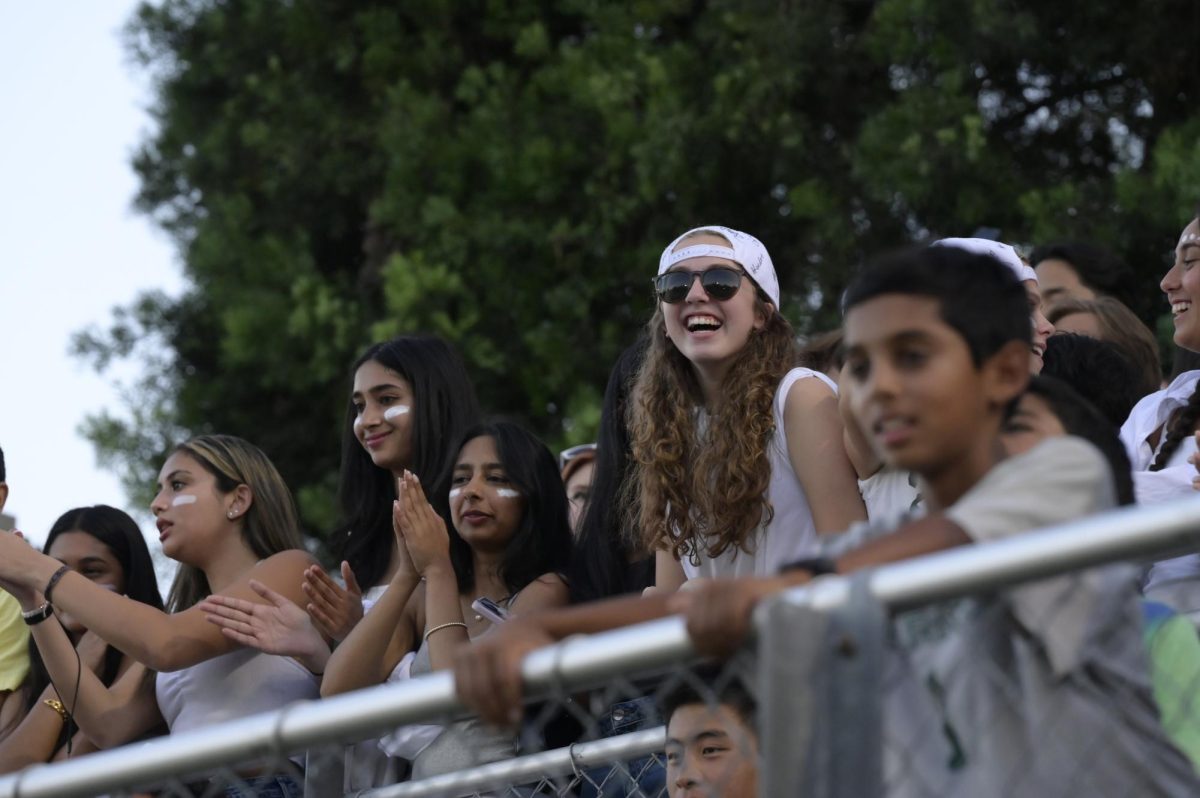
[587, 662]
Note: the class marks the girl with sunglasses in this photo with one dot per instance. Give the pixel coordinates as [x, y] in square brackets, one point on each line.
[739, 460]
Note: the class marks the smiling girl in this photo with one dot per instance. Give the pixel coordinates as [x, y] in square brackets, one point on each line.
[508, 542]
[739, 456]
[410, 397]
[224, 513]
[1160, 432]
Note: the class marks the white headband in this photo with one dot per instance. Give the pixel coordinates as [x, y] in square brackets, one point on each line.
[744, 250]
[1001, 252]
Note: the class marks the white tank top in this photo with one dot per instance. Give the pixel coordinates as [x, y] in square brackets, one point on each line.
[233, 685]
[791, 535]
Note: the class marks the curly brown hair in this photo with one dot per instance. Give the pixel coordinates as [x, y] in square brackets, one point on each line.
[704, 490]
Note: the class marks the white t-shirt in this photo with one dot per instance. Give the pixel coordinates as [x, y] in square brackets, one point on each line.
[791, 535]
[1172, 482]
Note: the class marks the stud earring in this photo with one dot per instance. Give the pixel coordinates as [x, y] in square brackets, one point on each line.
[231, 514]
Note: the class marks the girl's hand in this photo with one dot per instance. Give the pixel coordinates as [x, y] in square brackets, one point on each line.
[334, 610]
[405, 568]
[423, 529]
[91, 649]
[278, 627]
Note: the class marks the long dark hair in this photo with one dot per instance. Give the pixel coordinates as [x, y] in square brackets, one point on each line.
[600, 565]
[120, 535]
[541, 543]
[445, 405]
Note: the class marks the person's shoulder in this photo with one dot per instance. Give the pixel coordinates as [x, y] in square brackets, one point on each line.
[286, 560]
[801, 389]
[1055, 454]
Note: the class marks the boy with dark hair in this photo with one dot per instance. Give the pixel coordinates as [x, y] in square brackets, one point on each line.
[712, 742]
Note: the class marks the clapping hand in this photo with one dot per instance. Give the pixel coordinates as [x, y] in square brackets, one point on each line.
[278, 627]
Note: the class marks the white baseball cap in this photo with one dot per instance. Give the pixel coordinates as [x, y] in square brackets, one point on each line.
[1001, 252]
[744, 250]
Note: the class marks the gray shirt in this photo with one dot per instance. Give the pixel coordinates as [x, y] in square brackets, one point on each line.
[1042, 690]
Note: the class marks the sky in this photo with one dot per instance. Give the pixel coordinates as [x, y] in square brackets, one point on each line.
[71, 246]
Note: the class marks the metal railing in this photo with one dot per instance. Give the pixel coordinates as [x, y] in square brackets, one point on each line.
[583, 663]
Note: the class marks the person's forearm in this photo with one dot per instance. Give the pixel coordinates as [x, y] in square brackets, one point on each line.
[361, 660]
[923, 536]
[139, 630]
[599, 616]
[35, 738]
[443, 613]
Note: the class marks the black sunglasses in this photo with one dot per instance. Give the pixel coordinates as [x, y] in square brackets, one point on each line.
[720, 284]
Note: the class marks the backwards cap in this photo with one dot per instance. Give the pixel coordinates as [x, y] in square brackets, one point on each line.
[1001, 252]
[747, 251]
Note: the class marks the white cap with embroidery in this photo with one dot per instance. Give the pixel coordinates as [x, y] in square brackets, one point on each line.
[744, 250]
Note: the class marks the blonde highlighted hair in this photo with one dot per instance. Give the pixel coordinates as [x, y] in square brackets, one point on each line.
[269, 526]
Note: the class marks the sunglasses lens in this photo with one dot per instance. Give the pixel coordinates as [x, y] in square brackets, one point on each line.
[673, 287]
[721, 284]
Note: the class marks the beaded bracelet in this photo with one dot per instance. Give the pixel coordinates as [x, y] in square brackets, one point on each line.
[57, 575]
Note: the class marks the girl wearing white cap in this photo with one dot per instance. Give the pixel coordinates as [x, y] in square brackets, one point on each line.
[1042, 328]
[738, 454]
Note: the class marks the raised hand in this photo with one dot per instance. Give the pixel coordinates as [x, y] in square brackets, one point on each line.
[423, 530]
[334, 610]
[278, 627]
[91, 649]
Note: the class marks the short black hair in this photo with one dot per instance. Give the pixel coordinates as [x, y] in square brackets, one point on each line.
[1095, 369]
[710, 685]
[978, 296]
[1081, 419]
[1098, 269]
[3, 473]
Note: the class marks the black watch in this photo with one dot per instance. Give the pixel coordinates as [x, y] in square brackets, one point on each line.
[817, 566]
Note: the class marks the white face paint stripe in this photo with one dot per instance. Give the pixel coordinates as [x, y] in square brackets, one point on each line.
[396, 410]
[183, 498]
[507, 493]
[455, 493]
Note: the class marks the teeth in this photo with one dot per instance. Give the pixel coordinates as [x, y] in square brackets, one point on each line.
[703, 321]
[1180, 307]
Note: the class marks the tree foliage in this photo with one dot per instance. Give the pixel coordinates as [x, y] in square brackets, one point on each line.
[504, 174]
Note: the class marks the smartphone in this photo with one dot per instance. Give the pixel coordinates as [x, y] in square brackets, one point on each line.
[490, 609]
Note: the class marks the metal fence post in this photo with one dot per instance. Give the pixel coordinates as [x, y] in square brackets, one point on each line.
[820, 691]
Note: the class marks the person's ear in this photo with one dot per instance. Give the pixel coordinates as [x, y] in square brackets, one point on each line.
[240, 500]
[762, 312]
[1006, 373]
[3, 494]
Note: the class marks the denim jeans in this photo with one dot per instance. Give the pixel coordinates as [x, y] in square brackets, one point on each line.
[267, 787]
[646, 775]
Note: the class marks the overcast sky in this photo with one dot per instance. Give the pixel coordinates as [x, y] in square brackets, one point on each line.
[71, 247]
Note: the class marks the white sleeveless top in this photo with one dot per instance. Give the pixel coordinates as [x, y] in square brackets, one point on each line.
[791, 535]
[233, 685]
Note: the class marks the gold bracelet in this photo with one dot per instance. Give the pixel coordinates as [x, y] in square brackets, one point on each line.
[441, 626]
[58, 707]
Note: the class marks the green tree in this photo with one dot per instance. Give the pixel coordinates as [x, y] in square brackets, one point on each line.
[505, 174]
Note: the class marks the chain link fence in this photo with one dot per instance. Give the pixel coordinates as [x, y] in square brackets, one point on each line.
[1030, 666]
